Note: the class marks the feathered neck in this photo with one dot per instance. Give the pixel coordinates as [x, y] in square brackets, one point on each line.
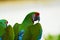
[28, 20]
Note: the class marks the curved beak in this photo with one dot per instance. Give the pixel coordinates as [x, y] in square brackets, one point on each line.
[38, 18]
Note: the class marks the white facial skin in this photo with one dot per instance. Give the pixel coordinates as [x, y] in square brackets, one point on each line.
[38, 18]
[33, 17]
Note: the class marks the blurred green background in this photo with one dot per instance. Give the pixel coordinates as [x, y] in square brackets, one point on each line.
[52, 37]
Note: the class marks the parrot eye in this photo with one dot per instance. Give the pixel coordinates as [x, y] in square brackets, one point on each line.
[6, 22]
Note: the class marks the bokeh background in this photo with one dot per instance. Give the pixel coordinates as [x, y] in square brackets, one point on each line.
[16, 10]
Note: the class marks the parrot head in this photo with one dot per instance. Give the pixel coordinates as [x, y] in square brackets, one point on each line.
[36, 16]
[31, 18]
[4, 21]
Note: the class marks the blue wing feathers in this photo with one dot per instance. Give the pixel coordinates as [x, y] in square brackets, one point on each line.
[20, 36]
[0, 38]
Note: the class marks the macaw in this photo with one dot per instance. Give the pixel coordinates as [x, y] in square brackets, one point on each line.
[23, 31]
[9, 33]
[3, 25]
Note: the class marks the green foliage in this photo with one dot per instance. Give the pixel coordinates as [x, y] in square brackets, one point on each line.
[9, 33]
[58, 37]
[52, 37]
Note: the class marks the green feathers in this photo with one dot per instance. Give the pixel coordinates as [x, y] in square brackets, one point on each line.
[31, 31]
[3, 26]
[27, 30]
[2, 29]
[36, 31]
[16, 30]
[9, 33]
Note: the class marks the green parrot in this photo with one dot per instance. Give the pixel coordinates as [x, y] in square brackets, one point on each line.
[9, 33]
[24, 31]
[3, 25]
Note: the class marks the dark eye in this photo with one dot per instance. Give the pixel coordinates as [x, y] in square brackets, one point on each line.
[7, 22]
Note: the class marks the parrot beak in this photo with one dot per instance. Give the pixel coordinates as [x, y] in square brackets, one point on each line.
[38, 18]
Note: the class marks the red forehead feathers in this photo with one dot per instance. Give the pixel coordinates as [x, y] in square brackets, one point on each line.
[37, 14]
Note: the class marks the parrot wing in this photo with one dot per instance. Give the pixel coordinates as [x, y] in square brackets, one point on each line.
[27, 34]
[2, 29]
[16, 30]
[21, 32]
[36, 31]
[9, 33]
[21, 35]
